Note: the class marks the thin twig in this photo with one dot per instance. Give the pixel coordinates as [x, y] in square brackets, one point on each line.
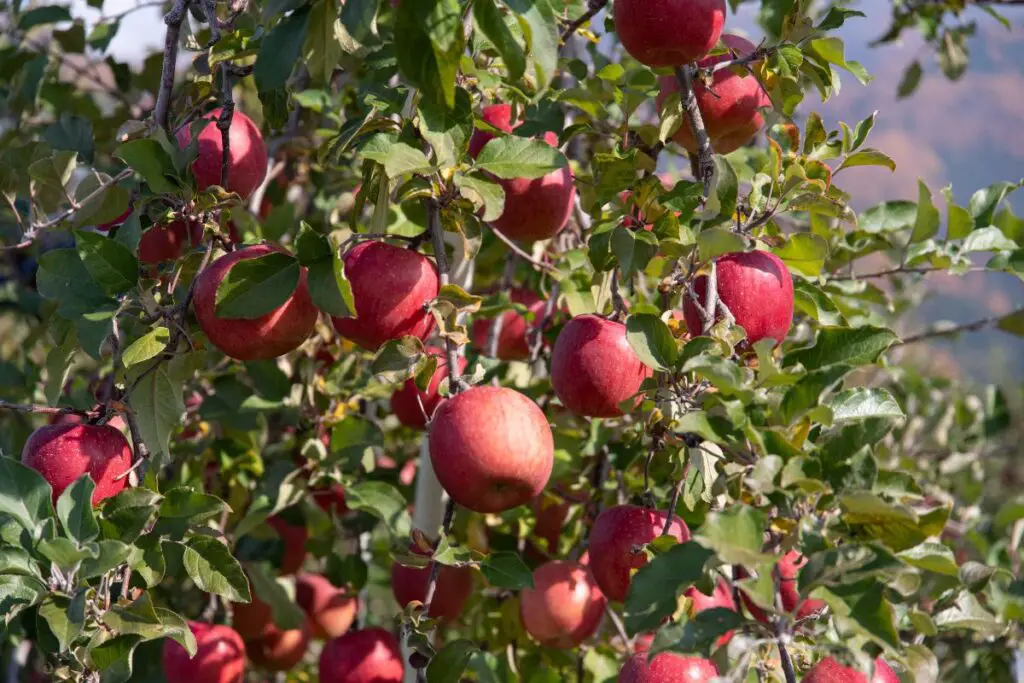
[903, 270]
[673, 501]
[710, 298]
[46, 410]
[494, 334]
[537, 334]
[592, 10]
[78, 204]
[759, 53]
[227, 113]
[455, 382]
[705, 165]
[620, 628]
[522, 254]
[173, 20]
[973, 326]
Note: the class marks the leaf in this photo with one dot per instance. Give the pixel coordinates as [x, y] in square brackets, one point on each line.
[633, 250]
[985, 201]
[65, 553]
[736, 534]
[447, 130]
[210, 565]
[889, 217]
[72, 133]
[136, 618]
[484, 193]
[506, 570]
[989, 238]
[396, 359]
[926, 225]
[64, 616]
[514, 157]
[895, 525]
[493, 26]
[429, 41]
[804, 253]
[807, 392]
[910, 80]
[158, 408]
[24, 494]
[17, 593]
[652, 340]
[697, 635]
[63, 278]
[325, 40]
[46, 14]
[968, 613]
[253, 288]
[933, 557]
[268, 589]
[381, 500]
[74, 509]
[113, 658]
[714, 242]
[110, 555]
[868, 157]
[149, 345]
[654, 587]
[184, 502]
[862, 403]
[850, 346]
[359, 19]
[152, 162]
[280, 51]
[58, 367]
[125, 515]
[448, 665]
[540, 28]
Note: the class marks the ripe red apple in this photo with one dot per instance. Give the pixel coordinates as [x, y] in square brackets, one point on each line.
[404, 403]
[64, 452]
[537, 208]
[248, 164]
[616, 533]
[220, 657]
[551, 515]
[564, 607]
[295, 538]
[669, 32]
[515, 335]
[165, 242]
[787, 569]
[829, 670]
[593, 367]
[390, 286]
[721, 596]
[331, 610]
[253, 619]
[491, 448]
[729, 109]
[331, 499]
[499, 116]
[367, 656]
[667, 667]
[268, 336]
[454, 586]
[757, 288]
[279, 650]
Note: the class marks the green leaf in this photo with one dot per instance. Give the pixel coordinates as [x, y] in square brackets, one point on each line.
[17, 593]
[269, 589]
[429, 41]
[697, 635]
[396, 359]
[63, 278]
[807, 392]
[110, 555]
[514, 157]
[136, 618]
[652, 340]
[851, 346]
[926, 224]
[177, 628]
[889, 217]
[985, 201]
[960, 221]
[147, 559]
[14, 560]
[910, 80]
[831, 50]
[210, 565]
[280, 51]
[447, 130]
[65, 553]
[72, 133]
[633, 249]
[152, 162]
[359, 19]
[804, 253]
[715, 242]
[895, 525]
[59, 362]
[74, 509]
[540, 28]
[65, 616]
[113, 658]
[868, 157]
[448, 665]
[968, 613]
[149, 345]
[484, 193]
[158, 408]
[736, 534]
[506, 570]
[255, 287]
[933, 557]
[381, 500]
[24, 494]
[862, 403]
[654, 587]
[46, 14]
[184, 502]
[125, 515]
[493, 26]
[989, 238]
[866, 605]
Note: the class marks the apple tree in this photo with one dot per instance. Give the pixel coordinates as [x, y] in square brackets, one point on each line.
[486, 340]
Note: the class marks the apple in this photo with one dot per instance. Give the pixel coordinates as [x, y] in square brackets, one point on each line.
[829, 670]
[551, 515]
[721, 596]
[331, 610]
[668, 32]
[593, 367]
[454, 586]
[62, 453]
[279, 650]
[248, 163]
[268, 336]
[491, 448]
[516, 334]
[564, 607]
[757, 288]
[252, 619]
[220, 657]
[165, 242]
[497, 115]
[667, 667]
[370, 655]
[295, 538]
[730, 108]
[110, 225]
[616, 542]
[390, 286]
[537, 208]
[404, 403]
[331, 499]
[787, 569]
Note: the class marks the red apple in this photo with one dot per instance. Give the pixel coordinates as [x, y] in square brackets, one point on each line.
[165, 243]
[253, 619]
[220, 657]
[757, 288]
[64, 452]
[564, 607]
[515, 335]
[454, 586]
[268, 336]
[615, 538]
[667, 667]
[537, 208]
[829, 670]
[404, 403]
[390, 286]
[331, 499]
[593, 367]
[721, 596]
[787, 570]
[551, 515]
[279, 650]
[730, 108]
[331, 610]
[371, 655]
[295, 538]
[668, 32]
[491, 448]
[248, 164]
[497, 115]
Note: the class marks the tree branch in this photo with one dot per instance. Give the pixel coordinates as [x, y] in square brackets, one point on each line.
[705, 164]
[673, 501]
[594, 7]
[618, 303]
[76, 205]
[903, 270]
[173, 20]
[47, 410]
[973, 326]
[227, 113]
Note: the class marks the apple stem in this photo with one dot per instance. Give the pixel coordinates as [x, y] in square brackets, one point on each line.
[705, 155]
[173, 19]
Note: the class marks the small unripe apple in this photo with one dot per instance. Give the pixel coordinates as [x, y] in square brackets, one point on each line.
[829, 670]
[62, 453]
[294, 538]
[757, 288]
[248, 154]
[219, 658]
[454, 586]
[668, 32]
[165, 242]
[729, 109]
[491, 448]
[667, 667]
[564, 607]
[390, 286]
[331, 610]
[537, 208]
[616, 542]
[404, 402]
[370, 655]
[268, 336]
[279, 650]
[721, 596]
[516, 334]
[593, 367]
[497, 115]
